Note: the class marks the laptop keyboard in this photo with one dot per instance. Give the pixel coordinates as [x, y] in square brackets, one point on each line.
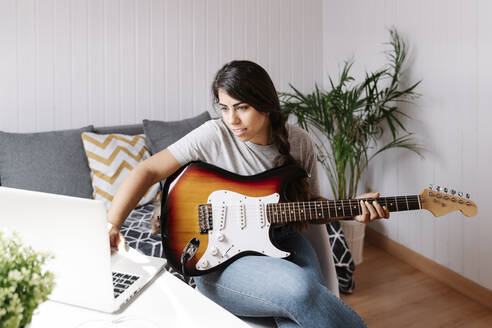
[121, 281]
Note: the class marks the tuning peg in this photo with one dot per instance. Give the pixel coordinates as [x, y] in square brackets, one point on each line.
[445, 190]
[438, 188]
[431, 186]
[460, 194]
[468, 196]
[453, 192]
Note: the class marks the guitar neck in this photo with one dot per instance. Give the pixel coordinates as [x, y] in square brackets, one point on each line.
[335, 209]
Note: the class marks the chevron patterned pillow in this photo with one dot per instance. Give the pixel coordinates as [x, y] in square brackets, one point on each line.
[111, 157]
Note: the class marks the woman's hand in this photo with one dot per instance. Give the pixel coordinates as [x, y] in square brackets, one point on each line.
[371, 211]
[116, 239]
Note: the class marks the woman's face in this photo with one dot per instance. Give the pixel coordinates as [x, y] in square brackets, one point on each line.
[245, 122]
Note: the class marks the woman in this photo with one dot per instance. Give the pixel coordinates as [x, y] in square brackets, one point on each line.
[252, 137]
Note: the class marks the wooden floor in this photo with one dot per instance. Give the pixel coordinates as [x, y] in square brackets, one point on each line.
[390, 293]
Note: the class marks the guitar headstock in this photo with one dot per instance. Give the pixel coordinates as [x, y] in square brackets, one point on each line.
[440, 203]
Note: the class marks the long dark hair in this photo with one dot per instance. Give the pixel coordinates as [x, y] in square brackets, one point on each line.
[248, 82]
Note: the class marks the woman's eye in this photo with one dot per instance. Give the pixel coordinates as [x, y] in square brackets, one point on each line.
[242, 107]
[224, 109]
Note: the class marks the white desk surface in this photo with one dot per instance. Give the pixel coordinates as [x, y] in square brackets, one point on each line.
[167, 302]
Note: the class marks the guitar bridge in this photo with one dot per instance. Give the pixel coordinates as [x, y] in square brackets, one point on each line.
[205, 220]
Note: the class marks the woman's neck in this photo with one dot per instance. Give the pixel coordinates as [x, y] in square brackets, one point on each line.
[265, 137]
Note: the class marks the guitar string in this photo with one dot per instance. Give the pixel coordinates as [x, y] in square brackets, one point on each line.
[297, 211]
[351, 202]
[316, 204]
[323, 205]
[285, 214]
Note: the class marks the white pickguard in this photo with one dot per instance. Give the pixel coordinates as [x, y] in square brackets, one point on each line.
[239, 224]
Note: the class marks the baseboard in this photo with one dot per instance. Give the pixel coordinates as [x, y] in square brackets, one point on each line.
[441, 273]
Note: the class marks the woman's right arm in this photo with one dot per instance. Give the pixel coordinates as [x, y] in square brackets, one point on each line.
[154, 169]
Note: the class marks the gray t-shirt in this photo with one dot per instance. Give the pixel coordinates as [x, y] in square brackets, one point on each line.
[215, 144]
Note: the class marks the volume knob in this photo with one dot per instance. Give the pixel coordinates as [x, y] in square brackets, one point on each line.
[214, 251]
[220, 236]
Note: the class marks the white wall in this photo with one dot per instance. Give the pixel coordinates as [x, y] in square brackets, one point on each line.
[450, 50]
[67, 63]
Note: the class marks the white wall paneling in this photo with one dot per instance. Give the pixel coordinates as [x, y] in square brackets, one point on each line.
[478, 167]
[68, 63]
[8, 64]
[450, 46]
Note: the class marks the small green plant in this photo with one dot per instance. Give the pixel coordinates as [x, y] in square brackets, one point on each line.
[23, 282]
[349, 120]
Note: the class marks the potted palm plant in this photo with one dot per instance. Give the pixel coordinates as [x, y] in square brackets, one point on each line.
[348, 121]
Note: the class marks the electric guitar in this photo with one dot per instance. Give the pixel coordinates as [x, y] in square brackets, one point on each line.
[211, 217]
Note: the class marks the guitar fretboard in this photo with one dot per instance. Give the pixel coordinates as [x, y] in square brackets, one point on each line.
[334, 209]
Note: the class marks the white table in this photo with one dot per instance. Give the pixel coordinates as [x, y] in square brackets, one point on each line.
[167, 302]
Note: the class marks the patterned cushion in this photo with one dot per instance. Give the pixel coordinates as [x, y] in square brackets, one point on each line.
[111, 157]
[344, 263]
[136, 230]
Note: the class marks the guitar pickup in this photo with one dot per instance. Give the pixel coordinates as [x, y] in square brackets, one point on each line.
[222, 218]
[261, 211]
[242, 215]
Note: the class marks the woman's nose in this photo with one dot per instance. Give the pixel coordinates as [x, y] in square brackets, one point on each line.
[233, 118]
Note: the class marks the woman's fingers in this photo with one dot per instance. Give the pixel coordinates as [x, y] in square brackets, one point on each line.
[364, 216]
[122, 243]
[379, 209]
[372, 211]
[118, 243]
[113, 242]
[387, 212]
[116, 239]
[383, 211]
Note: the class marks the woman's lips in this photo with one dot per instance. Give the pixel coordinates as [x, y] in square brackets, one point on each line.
[238, 132]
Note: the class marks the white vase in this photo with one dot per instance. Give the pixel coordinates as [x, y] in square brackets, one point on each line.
[354, 235]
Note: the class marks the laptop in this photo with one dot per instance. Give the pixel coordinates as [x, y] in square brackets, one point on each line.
[75, 231]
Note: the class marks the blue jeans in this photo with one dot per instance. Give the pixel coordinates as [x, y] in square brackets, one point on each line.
[292, 291]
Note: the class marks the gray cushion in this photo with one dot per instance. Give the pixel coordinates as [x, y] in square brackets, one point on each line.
[131, 130]
[53, 162]
[162, 134]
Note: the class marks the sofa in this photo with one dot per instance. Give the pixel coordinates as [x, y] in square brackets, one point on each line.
[56, 162]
